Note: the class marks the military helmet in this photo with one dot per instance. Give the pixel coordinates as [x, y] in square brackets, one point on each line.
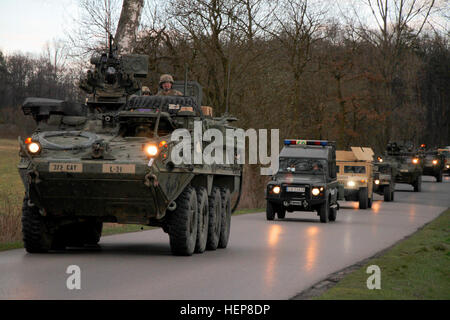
[145, 89]
[165, 78]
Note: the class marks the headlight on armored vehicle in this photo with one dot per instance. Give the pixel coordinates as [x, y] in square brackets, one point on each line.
[435, 162]
[34, 147]
[377, 181]
[415, 160]
[151, 150]
[276, 189]
[351, 183]
[315, 191]
[448, 166]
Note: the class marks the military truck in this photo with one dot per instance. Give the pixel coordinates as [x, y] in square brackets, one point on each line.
[445, 152]
[355, 175]
[305, 181]
[384, 179]
[433, 164]
[407, 162]
[111, 160]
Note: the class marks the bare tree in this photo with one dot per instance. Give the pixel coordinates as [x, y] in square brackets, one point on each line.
[130, 16]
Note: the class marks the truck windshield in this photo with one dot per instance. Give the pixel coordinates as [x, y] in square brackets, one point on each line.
[354, 169]
[299, 165]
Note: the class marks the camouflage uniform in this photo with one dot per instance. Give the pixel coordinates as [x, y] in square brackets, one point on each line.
[171, 92]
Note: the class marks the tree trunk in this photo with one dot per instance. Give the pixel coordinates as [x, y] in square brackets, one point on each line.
[128, 24]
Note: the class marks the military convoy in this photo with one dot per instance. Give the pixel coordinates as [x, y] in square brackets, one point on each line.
[306, 180]
[356, 175]
[110, 160]
[445, 152]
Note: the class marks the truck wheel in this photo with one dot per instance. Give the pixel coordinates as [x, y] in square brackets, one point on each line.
[281, 212]
[363, 198]
[226, 218]
[215, 210]
[387, 193]
[370, 201]
[36, 237]
[203, 219]
[183, 223]
[418, 184]
[270, 211]
[439, 177]
[332, 214]
[323, 211]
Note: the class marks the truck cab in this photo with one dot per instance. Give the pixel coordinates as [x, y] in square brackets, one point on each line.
[306, 180]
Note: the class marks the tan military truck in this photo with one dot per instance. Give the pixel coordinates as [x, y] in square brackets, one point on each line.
[355, 174]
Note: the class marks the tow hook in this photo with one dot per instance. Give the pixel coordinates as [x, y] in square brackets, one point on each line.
[150, 180]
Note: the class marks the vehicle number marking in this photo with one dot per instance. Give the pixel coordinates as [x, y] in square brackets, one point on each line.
[295, 189]
[65, 167]
[119, 168]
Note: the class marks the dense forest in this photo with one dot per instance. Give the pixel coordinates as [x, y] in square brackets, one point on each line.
[312, 70]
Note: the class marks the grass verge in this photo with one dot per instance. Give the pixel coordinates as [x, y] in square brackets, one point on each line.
[416, 268]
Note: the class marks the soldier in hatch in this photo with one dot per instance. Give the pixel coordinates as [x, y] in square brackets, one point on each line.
[146, 91]
[165, 85]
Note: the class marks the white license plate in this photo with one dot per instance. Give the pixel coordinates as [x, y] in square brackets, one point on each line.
[65, 167]
[119, 168]
[295, 189]
[296, 203]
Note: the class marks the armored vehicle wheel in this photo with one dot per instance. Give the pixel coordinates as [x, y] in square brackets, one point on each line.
[323, 211]
[270, 211]
[281, 212]
[36, 237]
[363, 198]
[332, 214]
[183, 223]
[418, 184]
[439, 177]
[387, 193]
[226, 218]
[215, 221]
[203, 219]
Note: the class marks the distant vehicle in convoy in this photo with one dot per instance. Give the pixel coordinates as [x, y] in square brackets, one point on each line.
[356, 175]
[409, 164]
[306, 180]
[110, 160]
[384, 179]
[445, 152]
[434, 164]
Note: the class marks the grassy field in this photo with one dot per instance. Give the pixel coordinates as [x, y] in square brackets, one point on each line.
[11, 196]
[416, 268]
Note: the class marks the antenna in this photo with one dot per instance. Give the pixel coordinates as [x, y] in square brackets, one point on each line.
[185, 78]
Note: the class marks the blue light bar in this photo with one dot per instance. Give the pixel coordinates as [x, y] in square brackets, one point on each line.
[289, 142]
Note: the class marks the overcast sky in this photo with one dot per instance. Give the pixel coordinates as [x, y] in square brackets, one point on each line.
[26, 25]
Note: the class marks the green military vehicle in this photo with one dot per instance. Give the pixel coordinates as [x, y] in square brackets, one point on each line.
[110, 160]
[305, 181]
[384, 179]
[445, 152]
[433, 164]
[408, 164]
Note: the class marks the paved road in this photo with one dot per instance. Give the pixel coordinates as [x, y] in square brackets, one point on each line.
[264, 260]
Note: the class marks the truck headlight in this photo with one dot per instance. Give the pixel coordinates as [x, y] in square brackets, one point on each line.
[276, 189]
[351, 183]
[315, 191]
[435, 162]
[415, 160]
[377, 181]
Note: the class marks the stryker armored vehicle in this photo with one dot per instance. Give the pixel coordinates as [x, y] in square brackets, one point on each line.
[434, 164]
[305, 181]
[445, 152]
[111, 159]
[356, 175]
[384, 177]
[408, 164]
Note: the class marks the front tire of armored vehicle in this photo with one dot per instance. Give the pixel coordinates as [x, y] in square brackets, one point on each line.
[36, 236]
[183, 223]
[418, 184]
[203, 220]
[363, 198]
[270, 211]
[226, 218]
[215, 221]
[324, 211]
